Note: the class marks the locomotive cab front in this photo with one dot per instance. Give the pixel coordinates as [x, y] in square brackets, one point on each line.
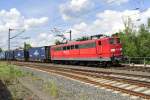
[115, 49]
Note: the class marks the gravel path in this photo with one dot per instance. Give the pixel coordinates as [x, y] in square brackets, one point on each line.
[74, 90]
[37, 89]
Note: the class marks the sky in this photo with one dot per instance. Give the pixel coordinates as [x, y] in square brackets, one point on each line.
[42, 20]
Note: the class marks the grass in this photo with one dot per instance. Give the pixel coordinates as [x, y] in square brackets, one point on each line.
[9, 73]
[52, 88]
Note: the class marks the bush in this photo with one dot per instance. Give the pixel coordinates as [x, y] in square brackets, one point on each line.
[9, 73]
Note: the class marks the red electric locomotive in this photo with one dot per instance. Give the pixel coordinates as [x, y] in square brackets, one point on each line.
[106, 50]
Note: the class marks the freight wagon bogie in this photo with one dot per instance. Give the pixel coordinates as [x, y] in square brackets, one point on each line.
[85, 63]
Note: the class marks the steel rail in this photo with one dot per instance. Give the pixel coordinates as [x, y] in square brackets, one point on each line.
[86, 70]
[77, 76]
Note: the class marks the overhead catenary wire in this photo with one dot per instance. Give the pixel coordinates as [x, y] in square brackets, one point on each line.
[17, 34]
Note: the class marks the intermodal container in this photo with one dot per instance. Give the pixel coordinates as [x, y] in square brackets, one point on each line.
[41, 54]
[9, 55]
[19, 55]
[2, 55]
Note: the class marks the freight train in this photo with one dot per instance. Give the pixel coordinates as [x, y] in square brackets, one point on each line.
[106, 51]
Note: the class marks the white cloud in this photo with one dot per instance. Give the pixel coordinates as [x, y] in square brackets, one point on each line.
[14, 19]
[80, 30]
[116, 1]
[42, 39]
[77, 5]
[109, 22]
[35, 22]
[75, 8]
[81, 26]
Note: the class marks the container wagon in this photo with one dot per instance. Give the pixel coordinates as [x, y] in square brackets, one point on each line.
[39, 54]
[2, 55]
[21, 55]
[9, 55]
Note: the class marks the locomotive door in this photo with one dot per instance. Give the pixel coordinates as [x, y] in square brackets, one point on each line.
[99, 47]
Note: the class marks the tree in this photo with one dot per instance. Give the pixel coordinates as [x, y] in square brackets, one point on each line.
[128, 44]
[57, 42]
[82, 38]
[27, 46]
[1, 50]
[144, 41]
[128, 38]
[128, 24]
[148, 22]
[136, 43]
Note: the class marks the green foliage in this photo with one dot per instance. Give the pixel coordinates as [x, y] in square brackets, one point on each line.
[52, 88]
[136, 43]
[144, 41]
[57, 42]
[82, 38]
[128, 42]
[9, 73]
[1, 50]
[27, 46]
[148, 22]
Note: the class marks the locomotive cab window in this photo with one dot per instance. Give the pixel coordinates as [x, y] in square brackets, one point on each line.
[111, 41]
[76, 47]
[57, 48]
[64, 48]
[99, 43]
[87, 45]
[68, 47]
[118, 40]
[72, 46]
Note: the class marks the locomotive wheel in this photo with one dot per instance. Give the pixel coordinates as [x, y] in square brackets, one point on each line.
[107, 64]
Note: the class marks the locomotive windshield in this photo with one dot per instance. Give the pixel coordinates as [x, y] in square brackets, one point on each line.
[112, 41]
[118, 40]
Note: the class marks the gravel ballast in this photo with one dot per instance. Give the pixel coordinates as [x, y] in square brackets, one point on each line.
[74, 90]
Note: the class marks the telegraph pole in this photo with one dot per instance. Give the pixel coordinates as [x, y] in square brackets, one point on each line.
[9, 30]
[9, 38]
[70, 35]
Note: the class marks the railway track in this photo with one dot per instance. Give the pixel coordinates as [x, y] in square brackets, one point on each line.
[128, 68]
[134, 68]
[137, 86]
[121, 67]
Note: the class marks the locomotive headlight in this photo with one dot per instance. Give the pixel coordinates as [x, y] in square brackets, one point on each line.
[120, 49]
[112, 50]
